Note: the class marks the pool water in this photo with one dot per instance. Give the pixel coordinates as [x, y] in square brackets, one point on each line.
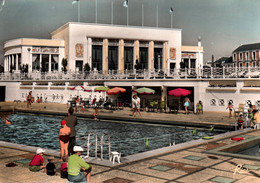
[127, 138]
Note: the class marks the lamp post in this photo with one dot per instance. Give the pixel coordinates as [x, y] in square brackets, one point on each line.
[78, 2]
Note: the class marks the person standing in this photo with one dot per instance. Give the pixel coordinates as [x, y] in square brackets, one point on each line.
[64, 136]
[186, 104]
[72, 121]
[78, 169]
[136, 105]
[29, 99]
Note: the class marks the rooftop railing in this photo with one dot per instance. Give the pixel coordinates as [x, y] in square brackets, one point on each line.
[192, 73]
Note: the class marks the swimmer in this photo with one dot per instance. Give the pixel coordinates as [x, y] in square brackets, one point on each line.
[7, 122]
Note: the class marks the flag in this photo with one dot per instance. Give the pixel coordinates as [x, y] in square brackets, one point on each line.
[171, 10]
[125, 4]
[75, 1]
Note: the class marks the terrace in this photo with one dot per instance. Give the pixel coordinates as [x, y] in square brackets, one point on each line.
[192, 73]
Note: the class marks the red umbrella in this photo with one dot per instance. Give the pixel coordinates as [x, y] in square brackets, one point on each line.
[179, 92]
[116, 90]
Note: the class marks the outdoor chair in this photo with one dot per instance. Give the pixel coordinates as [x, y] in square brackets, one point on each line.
[173, 106]
[162, 106]
[152, 105]
[238, 110]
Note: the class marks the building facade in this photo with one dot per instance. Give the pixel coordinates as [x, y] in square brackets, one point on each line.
[247, 55]
[103, 48]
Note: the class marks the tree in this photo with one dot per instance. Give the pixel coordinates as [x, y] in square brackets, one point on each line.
[24, 68]
[86, 67]
[64, 64]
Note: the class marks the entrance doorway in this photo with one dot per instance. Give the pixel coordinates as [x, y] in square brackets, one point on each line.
[2, 91]
[79, 65]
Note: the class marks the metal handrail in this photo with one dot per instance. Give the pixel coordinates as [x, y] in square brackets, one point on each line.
[102, 142]
[89, 143]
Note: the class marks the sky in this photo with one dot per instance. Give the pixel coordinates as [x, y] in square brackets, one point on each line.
[223, 25]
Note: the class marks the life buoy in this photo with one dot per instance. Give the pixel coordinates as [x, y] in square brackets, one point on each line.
[237, 138]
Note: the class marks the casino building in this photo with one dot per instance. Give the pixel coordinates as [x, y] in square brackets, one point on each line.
[104, 48]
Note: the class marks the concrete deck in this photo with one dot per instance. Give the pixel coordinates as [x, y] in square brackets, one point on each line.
[192, 162]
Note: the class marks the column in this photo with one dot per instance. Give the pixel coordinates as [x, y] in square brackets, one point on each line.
[136, 52]
[89, 51]
[164, 93]
[5, 60]
[121, 56]
[165, 55]
[41, 62]
[16, 59]
[12, 62]
[8, 63]
[105, 58]
[151, 56]
[49, 63]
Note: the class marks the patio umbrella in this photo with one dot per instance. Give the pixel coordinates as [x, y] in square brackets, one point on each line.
[179, 92]
[79, 88]
[101, 89]
[144, 90]
[115, 90]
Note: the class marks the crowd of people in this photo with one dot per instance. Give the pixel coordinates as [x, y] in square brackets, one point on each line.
[74, 168]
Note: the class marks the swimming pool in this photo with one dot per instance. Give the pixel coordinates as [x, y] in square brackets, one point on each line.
[127, 138]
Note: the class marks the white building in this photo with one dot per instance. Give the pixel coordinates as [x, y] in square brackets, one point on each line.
[104, 48]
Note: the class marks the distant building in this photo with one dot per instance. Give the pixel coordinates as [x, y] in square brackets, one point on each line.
[247, 55]
[224, 62]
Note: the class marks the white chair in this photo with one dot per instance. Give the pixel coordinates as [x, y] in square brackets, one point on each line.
[115, 155]
[257, 126]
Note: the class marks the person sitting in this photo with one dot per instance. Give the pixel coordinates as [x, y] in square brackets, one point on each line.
[37, 163]
[50, 167]
[78, 169]
[38, 100]
[240, 121]
[64, 168]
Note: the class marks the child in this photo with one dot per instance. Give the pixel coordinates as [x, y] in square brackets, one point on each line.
[37, 162]
[50, 167]
[64, 168]
[199, 107]
[240, 121]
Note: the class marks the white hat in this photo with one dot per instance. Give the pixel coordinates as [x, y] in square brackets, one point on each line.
[39, 151]
[240, 113]
[77, 149]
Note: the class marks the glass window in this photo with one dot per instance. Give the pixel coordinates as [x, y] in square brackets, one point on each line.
[128, 58]
[97, 57]
[112, 57]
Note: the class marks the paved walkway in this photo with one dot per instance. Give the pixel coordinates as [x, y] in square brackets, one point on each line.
[192, 163]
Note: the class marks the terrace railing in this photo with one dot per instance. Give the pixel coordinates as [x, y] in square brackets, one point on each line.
[183, 73]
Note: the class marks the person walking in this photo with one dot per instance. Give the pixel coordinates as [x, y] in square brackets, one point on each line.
[186, 104]
[72, 121]
[64, 136]
[230, 108]
[136, 105]
[78, 169]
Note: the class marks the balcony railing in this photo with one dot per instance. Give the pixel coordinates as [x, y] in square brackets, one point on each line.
[205, 73]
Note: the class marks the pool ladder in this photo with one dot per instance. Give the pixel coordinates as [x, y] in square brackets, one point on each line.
[101, 144]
